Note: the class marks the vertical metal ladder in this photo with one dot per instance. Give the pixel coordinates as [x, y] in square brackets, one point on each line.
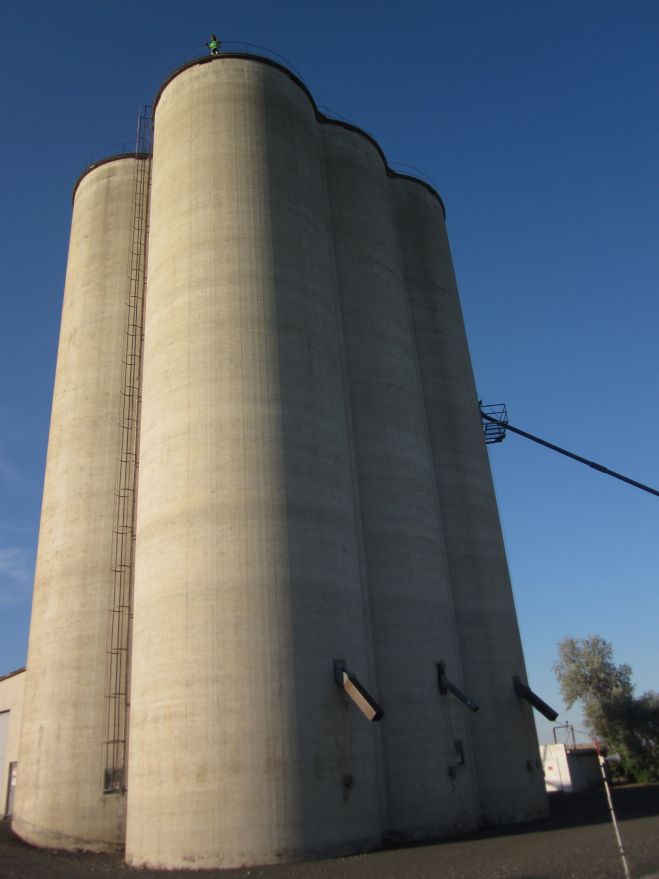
[120, 604]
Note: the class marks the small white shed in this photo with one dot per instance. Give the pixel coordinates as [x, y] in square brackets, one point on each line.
[570, 768]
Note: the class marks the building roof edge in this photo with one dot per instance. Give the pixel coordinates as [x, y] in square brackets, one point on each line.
[12, 674]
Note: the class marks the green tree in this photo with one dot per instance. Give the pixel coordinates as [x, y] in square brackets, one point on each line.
[625, 723]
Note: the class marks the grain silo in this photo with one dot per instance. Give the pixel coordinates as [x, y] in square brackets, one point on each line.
[314, 506]
[60, 799]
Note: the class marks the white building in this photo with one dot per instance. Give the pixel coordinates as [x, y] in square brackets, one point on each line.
[11, 704]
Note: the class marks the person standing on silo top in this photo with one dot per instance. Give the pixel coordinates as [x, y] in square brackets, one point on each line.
[214, 45]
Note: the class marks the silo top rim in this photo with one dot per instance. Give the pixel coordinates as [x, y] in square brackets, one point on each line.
[104, 161]
[261, 59]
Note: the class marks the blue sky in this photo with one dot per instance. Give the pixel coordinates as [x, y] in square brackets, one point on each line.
[536, 121]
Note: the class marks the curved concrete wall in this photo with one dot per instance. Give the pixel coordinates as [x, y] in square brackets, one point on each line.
[59, 799]
[505, 744]
[412, 613]
[248, 577]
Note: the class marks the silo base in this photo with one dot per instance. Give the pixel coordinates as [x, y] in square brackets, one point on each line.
[43, 837]
[235, 860]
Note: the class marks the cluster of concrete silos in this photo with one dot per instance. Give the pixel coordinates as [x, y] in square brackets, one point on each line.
[313, 485]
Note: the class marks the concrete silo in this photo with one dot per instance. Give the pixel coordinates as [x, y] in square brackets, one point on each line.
[313, 487]
[510, 775]
[60, 800]
[410, 593]
[248, 578]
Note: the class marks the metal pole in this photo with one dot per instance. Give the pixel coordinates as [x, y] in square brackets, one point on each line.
[625, 866]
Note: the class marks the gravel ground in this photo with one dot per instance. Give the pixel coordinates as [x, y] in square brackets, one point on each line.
[575, 842]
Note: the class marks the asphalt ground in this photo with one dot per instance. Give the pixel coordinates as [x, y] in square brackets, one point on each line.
[576, 842]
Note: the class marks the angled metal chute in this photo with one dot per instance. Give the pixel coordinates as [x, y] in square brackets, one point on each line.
[359, 694]
[525, 692]
[447, 686]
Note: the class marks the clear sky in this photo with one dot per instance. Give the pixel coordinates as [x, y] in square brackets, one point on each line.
[536, 121]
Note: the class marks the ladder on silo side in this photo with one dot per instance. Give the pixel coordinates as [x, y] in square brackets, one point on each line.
[120, 604]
